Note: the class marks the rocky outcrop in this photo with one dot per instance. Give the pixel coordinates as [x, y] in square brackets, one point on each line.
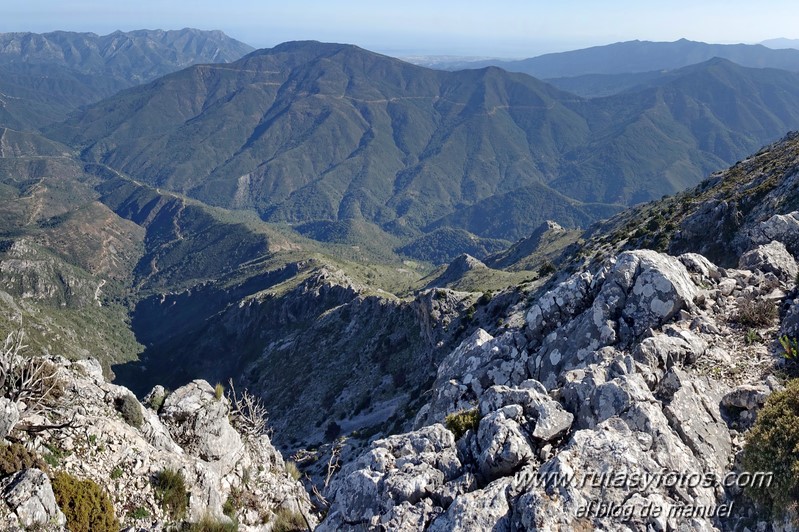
[9, 415]
[773, 258]
[780, 227]
[190, 434]
[606, 407]
[457, 269]
[30, 500]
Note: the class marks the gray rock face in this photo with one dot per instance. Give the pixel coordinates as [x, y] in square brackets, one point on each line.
[747, 397]
[773, 258]
[486, 509]
[481, 361]
[640, 291]
[790, 323]
[547, 417]
[398, 481]
[9, 415]
[193, 437]
[615, 400]
[198, 422]
[502, 445]
[29, 495]
[780, 227]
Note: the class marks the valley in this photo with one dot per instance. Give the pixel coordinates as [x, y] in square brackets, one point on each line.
[371, 247]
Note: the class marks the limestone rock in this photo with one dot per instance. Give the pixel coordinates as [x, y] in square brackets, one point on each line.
[29, 494]
[747, 396]
[198, 422]
[9, 415]
[502, 445]
[400, 479]
[771, 257]
[486, 509]
[481, 361]
[780, 227]
[642, 290]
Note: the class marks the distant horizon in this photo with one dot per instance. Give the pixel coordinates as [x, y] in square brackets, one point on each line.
[403, 52]
[507, 29]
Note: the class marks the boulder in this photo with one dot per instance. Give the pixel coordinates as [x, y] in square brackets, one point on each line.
[642, 290]
[198, 422]
[480, 362]
[502, 445]
[771, 257]
[29, 494]
[780, 227]
[747, 397]
[486, 509]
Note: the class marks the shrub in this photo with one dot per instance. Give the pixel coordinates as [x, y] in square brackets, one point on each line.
[332, 431]
[209, 524]
[546, 269]
[790, 347]
[288, 521]
[54, 456]
[140, 512]
[773, 446]
[756, 312]
[130, 409]
[247, 413]
[32, 381]
[239, 499]
[116, 473]
[16, 457]
[86, 506]
[293, 472]
[459, 422]
[219, 391]
[157, 401]
[170, 489]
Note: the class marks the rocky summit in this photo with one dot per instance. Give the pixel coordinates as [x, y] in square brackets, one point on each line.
[621, 403]
[92, 429]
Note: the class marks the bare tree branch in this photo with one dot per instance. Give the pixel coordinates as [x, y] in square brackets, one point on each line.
[32, 382]
[248, 413]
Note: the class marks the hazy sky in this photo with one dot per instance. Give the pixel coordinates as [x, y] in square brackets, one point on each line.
[506, 28]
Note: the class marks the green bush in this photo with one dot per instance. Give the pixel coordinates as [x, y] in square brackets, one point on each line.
[86, 506]
[157, 401]
[546, 269]
[170, 489]
[116, 473]
[219, 391]
[16, 457]
[790, 347]
[209, 524]
[140, 512]
[773, 446]
[130, 409]
[288, 521]
[459, 422]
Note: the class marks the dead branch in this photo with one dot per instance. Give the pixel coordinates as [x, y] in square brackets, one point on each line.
[333, 462]
[248, 413]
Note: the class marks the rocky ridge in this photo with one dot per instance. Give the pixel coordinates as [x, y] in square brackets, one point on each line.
[228, 472]
[638, 369]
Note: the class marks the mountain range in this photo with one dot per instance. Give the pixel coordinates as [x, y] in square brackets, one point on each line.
[470, 276]
[309, 133]
[639, 56]
[45, 76]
